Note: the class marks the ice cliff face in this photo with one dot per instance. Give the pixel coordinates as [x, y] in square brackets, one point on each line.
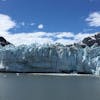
[79, 58]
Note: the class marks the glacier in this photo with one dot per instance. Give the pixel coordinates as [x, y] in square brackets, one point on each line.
[50, 58]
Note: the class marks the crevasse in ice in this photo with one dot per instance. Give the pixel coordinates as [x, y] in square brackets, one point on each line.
[50, 58]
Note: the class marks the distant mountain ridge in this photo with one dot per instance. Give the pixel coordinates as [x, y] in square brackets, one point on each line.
[88, 41]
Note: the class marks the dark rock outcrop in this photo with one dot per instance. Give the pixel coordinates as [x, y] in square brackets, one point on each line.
[90, 41]
[83, 45]
[97, 37]
[4, 42]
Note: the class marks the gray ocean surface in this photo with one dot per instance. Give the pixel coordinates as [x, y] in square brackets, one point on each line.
[49, 87]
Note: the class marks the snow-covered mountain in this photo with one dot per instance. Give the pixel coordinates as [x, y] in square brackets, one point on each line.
[81, 57]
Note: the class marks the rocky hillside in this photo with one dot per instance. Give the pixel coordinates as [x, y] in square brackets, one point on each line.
[90, 41]
[4, 42]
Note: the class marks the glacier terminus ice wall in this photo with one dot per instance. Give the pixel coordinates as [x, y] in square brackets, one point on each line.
[50, 58]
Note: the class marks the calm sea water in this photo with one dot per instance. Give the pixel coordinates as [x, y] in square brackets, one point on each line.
[49, 87]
